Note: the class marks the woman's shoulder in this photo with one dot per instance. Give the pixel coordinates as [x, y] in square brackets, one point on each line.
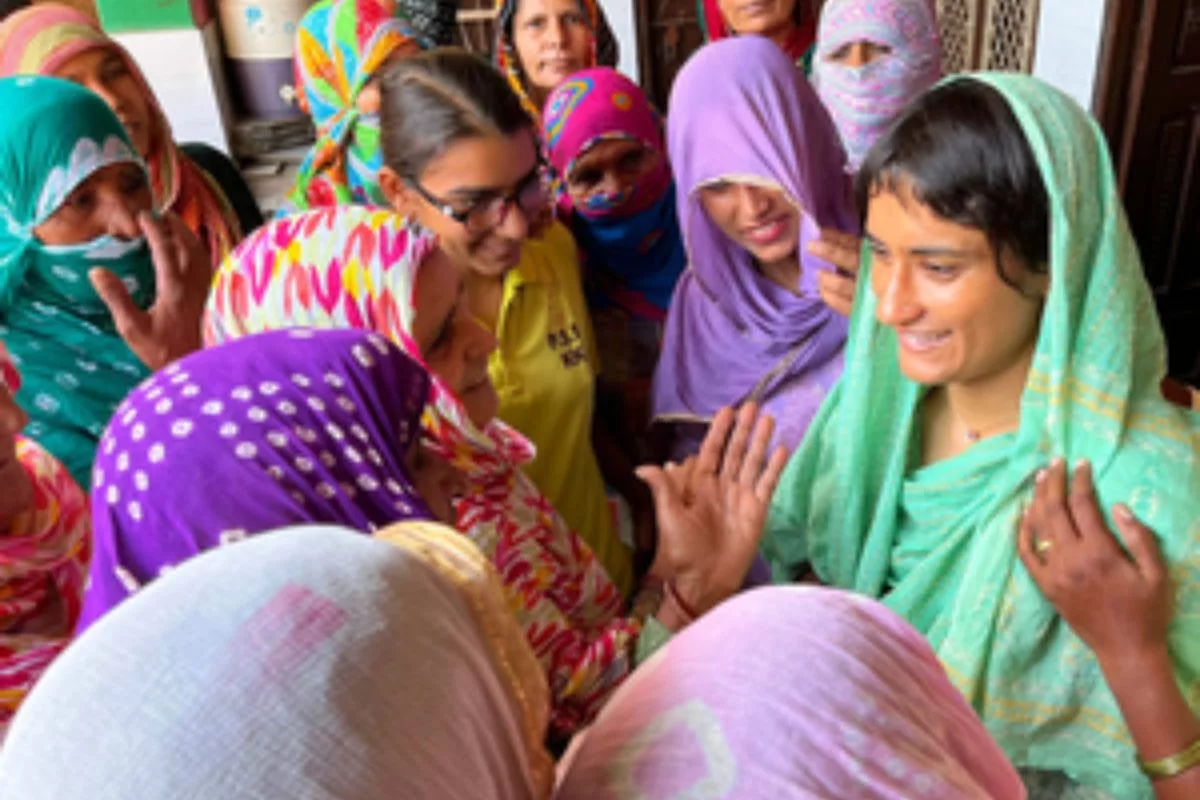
[551, 255]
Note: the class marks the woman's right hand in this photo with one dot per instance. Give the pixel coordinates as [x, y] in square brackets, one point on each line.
[170, 329]
[712, 508]
[843, 251]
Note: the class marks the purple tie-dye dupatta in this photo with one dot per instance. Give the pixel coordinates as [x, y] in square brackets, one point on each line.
[279, 429]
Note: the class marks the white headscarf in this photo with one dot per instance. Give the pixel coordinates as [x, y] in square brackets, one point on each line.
[310, 663]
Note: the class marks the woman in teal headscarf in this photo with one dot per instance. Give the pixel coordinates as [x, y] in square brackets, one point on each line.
[1002, 321]
[93, 292]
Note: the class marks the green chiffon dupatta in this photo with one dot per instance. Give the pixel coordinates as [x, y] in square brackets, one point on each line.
[938, 543]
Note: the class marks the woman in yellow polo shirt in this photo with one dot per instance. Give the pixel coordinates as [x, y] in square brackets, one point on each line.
[463, 161]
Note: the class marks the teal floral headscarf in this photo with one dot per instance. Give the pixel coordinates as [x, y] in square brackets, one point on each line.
[54, 135]
[938, 543]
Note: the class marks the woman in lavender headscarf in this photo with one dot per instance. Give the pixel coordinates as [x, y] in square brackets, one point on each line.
[284, 428]
[758, 168]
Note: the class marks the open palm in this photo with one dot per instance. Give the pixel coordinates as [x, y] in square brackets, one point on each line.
[711, 509]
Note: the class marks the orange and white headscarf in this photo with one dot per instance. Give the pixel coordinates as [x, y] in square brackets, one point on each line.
[38, 40]
[44, 556]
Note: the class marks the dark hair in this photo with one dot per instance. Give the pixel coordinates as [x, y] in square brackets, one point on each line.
[434, 99]
[961, 151]
[8, 7]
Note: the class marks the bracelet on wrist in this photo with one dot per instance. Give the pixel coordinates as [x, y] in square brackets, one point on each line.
[1169, 767]
[686, 611]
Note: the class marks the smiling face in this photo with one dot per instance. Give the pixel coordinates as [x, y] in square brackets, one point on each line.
[937, 285]
[454, 345]
[106, 73]
[469, 174]
[756, 217]
[553, 40]
[107, 203]
[770, 18]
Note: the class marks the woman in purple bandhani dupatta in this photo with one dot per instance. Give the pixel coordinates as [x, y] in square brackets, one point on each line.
[279, 429]
[757, 164]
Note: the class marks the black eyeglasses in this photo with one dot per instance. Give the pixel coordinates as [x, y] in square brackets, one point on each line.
[531, 196]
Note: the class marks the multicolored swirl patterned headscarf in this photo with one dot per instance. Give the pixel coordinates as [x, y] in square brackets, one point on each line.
[341, 46]
[865, 100]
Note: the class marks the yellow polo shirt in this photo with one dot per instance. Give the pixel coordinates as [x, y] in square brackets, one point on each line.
[545, 372]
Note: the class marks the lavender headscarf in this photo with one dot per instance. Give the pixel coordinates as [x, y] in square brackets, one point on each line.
[279, 429]
[740, 108]
[864, 101]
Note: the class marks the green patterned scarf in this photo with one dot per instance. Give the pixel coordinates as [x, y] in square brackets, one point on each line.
[939, 543]
[76, 369]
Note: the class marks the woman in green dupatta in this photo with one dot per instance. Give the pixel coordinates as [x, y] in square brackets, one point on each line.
[94, 293]
[912, 481]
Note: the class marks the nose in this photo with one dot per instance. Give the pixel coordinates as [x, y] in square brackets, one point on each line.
[610, 184]
[859, 54]
[515, 225]
[896, 300]
[120, 217]
[554, 33]
[754, 201]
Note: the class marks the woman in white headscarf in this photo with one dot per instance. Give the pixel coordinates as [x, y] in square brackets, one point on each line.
[310, 663]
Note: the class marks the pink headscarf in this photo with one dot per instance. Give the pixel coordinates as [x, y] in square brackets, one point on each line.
[786, 693]
[864, 101]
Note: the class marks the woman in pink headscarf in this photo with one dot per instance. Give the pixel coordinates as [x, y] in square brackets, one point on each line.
[831, 695]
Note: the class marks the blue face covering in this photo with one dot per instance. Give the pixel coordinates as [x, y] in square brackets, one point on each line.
[633, 260]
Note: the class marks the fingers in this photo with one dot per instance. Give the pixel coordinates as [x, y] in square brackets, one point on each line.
[1026, 547]
[662, 488]
[708, 461]
[764, 490]
[735, 453]
[127, 317]
[1057, 523]
[164, 252]
[840, 249]
[837, 291]
[1085, 510]
[1142, 544]
[752, 465]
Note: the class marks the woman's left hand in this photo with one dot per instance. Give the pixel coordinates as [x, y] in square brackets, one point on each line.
[1119, 604]
[711, 509]
[169, 329]
[842, 250]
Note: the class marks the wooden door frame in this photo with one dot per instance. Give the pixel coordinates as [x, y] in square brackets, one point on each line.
[1123, 57]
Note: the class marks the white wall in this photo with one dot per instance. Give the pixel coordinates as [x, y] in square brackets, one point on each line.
[1068, 46]
[623, 21]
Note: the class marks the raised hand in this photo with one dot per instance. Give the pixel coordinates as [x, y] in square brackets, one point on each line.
[712, 508]
[1118, 603]
[169, 329]
[842, 250]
